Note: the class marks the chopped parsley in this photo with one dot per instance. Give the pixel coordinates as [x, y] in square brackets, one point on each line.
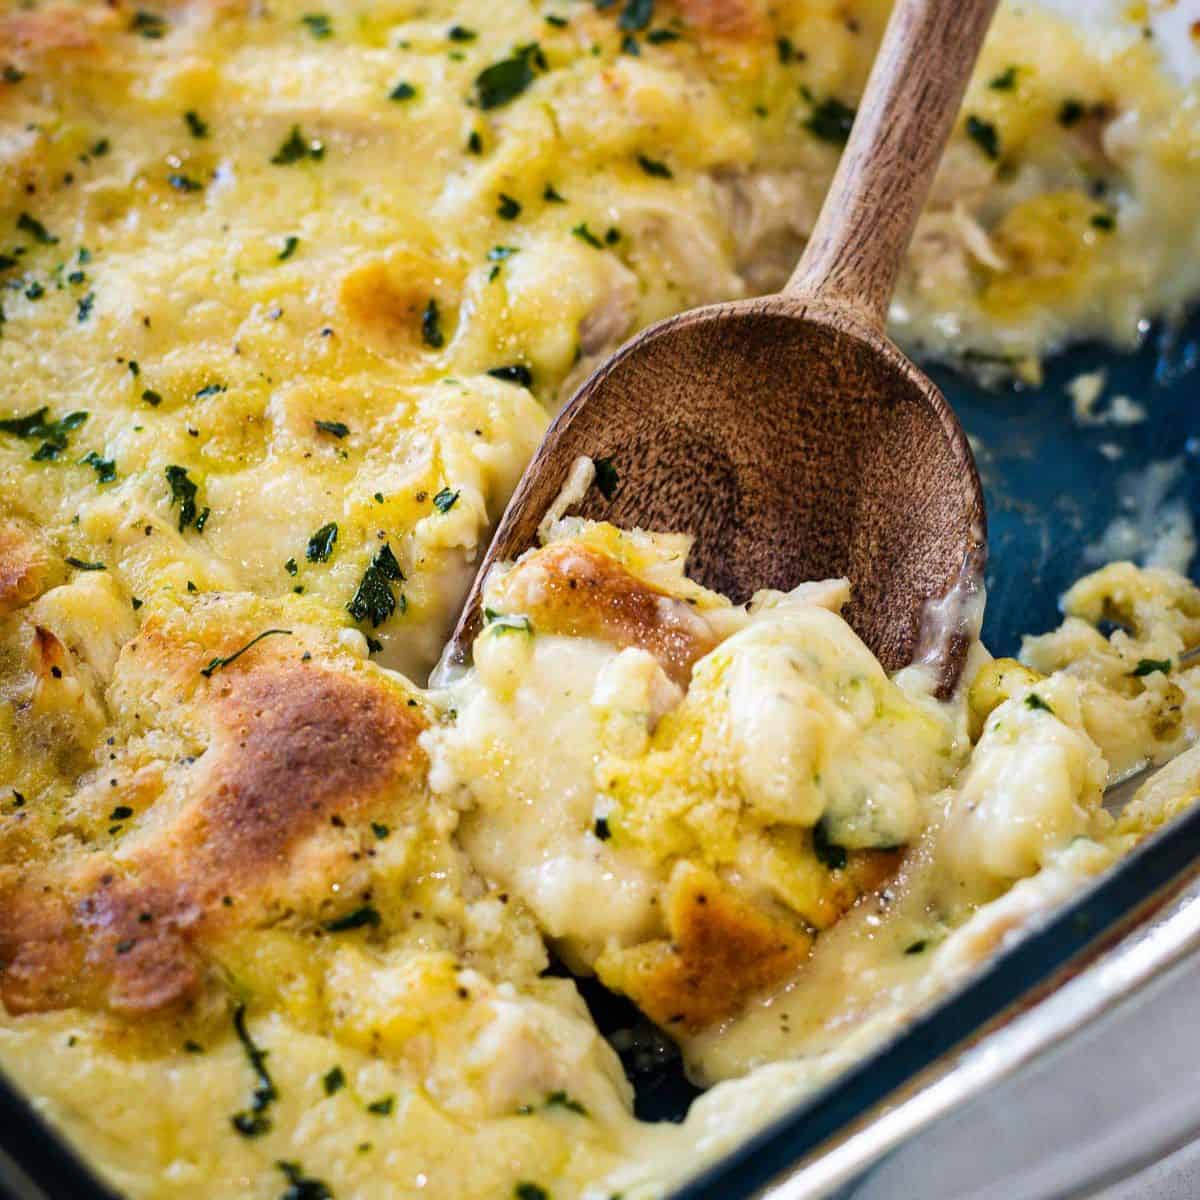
[445, 500]
[584, 234]
[1006, 81]
[36, 230]
[459, 33]
[37, 426]
[565, 1100]
[606, 477]
[504, 81]
[380, 830]
[1070, 112]
[105, 468]
[152, 397]
[318, 24]
[184, 183]
[210, 389]
[831, 856]
[831, 121]
[291, 567]
[333, 1080]
[402, 91]
[296, 148]
[517, 373]
[1147, 666]
[383, 1107]
[550, 195]
[337, 429]
[1037, 704]
[654, 168]
[321, 544]
[431, 326]
[289, 247]
[359, 918]
[301, 1186]
[183, 493]
[557, 21]
[81, 564]
[83, 307]
[506, 622]
[530, 1191]
[374, 600]
[658, 37]
[121, 813]
[636, 15]
[11, 74]
[1104, 221]
[983, 134]
[148, 24]
[508, 209]
[197, 127]
[601, 829]
[916, 947]
[215, 664]
[253, 1121]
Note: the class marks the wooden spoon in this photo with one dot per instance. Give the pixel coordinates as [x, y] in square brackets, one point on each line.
[787, 434]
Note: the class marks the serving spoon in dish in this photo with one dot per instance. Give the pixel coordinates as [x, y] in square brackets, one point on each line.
[787, 434]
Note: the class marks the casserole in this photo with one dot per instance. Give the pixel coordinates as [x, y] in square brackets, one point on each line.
[276, 405]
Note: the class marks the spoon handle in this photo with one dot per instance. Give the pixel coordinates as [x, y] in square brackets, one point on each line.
[908, 109]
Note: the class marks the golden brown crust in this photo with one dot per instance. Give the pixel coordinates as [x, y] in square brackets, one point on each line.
[742, 20]
[721, 952]
[573, 589]
[299, 758]
[34, 32]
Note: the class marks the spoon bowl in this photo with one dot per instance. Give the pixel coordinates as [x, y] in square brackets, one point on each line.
[787, 434]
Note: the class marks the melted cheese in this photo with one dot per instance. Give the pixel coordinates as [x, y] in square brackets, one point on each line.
[288, 295]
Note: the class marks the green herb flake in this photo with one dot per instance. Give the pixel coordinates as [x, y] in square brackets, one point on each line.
[296, 148]
[380, 830]
[1070, 112]
[82, 564]
[121, 813]
[517, 373]
[830, 855]
[564, 1100]
[402, 91]
[148, 25]
[636, 15]
[183, 493]
[215, 664]
[197, 126]
[318, 24]
[105, 468]
[459, 33]
[191, 1047]
[152, 398]
[383, 1107]
[253, 1121]
[333, 1080]
[504, 81]
[654, 168]
[550, 195]
[83, 307]
[53, 435]
[917, 947]
[506, 622]
[1006, 81]
[601, 829]
[211, 389]
[1147, 666]
[301, 1186]
[983, 134]
[289, 247]
[291, 567]
[557, 21]
[831, 121]
[445, 500]
[431, 326]
[508, 209]
[367, 916]
[584, 234]
[34, 291]
[11, 74]
[530, 1191]
[375, 600]
[337, 429]
[36, 230]
[1105, 222]
[606, 477]
[321, 544]
[184, 183]
[659, 37]
[1034, 702]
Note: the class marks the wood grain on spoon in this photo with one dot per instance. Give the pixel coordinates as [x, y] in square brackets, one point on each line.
[787, 434]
